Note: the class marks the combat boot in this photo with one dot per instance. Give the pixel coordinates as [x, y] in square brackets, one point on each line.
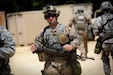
[83, 57]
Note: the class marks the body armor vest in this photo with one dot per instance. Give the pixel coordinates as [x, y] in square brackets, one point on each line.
[107, 25]
[51, 36]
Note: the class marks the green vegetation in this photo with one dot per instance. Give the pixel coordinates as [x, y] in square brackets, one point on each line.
[10, 6]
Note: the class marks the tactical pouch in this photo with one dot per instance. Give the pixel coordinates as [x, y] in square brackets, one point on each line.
[90, 34]
[41, 57]
[81, 26]
[76, 67]
[98, 47]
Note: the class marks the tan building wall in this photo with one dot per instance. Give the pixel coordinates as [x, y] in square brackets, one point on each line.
[33, 22]
[25, 26]
[66, 13]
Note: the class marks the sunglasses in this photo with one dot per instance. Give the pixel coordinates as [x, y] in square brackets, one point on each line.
[50, 15]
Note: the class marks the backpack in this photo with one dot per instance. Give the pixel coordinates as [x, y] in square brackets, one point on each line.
[81, 22]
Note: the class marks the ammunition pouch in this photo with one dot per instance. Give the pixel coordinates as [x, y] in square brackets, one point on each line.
[107, 35]
[76, 67]
[41, 54]
[98, 46]
[108, 32]
[100, 40]
[81, 26]
[5, 67]
[106, 38]
[41, 57]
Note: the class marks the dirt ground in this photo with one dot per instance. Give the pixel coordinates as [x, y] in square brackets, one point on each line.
[24, 62]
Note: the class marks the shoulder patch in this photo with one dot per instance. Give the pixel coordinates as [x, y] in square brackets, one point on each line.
[9, 38]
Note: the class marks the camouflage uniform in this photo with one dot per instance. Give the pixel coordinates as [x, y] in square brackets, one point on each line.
[58, 65]
[55, 60]
[100, 28]
[82, 31]
[7, 50]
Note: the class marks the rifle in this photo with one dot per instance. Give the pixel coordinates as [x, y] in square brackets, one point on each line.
[62, 53]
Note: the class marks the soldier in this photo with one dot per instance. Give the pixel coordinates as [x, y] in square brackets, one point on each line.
[80, 24]
[103, 27]
[7, 50]
[61, 38]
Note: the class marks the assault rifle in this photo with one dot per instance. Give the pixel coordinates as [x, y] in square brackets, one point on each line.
[62, 53]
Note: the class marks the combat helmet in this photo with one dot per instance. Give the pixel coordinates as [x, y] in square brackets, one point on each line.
[106, 5]
[50, 10]
[80, 9]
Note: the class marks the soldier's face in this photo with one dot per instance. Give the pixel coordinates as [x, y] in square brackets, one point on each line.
[51, 18]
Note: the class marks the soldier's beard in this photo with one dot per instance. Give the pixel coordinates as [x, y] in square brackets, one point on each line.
[53, 22]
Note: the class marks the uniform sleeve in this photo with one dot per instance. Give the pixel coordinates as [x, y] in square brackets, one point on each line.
[8, 48]
[39, 39]
[96, 26]
[73, 37]
[71, 22]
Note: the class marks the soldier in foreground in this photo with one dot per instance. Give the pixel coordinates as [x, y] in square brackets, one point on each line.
[80, 22]
[103, 27]
[7, 50]
[59, 38]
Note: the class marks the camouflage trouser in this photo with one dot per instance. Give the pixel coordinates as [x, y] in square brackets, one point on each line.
[62, 68]
[106, 50]
[83, 46]
[5, 67]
